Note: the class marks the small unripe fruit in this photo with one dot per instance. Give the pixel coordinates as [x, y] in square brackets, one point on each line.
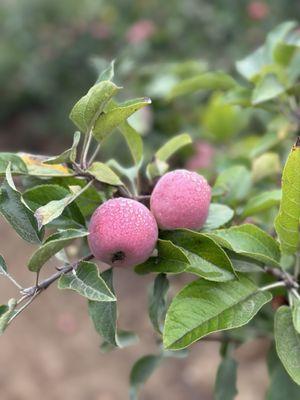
[123, 232]
[181, 199]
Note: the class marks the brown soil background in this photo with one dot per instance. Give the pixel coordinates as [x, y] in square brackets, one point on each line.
[51, 351]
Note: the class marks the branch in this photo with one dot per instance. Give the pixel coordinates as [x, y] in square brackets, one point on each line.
[284, 276]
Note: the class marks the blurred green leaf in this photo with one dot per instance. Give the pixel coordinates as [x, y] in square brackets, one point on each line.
[266, 165]
[205, 81]
[115, 116]
[225, 385]
[267, 88]
[287, 220]
[86, 111]
[287, 342]
[52, 245]
[108, 73]
[218, 215]
[6, 314]
[203, 307]
[68, 155]
[262, 202]
[141, 371]
[250, 241]
[103, 173]
[85, 280]
[17, 214]
[17, 164]
[172, 146]
[158, 301]
[235, 182]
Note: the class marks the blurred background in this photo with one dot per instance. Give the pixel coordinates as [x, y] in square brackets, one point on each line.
[50, 54]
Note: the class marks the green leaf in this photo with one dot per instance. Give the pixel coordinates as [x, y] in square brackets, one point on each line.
[68, 155]
[236, 183]
[85, 280]
[6, 314]
[141, 371]
[281, 386]
[172, 146]
[296, 314]
[3, 267]
[171, 259]
[108, 73]
[134, 142]
[250, 66]
[218, 215]
[53, 245]
[56, 199]
[160, 166]
[262, 202]
[287, 342]
[267, 88]
[158, 301]
[17, 214]
[104, 317]
[17, 164]
[250, 241]
[287, 220]
[206, 258]
[86, 111]
[205, 81]
[203, 307]
[103, 173]
[115, 116]
[225, 385]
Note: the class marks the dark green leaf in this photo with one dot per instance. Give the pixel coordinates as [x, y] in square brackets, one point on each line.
[3, 267]
[287, 342]
[17, 214]
[225, 385]
[68, 155]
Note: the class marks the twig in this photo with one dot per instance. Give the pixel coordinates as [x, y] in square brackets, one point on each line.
[94, 155]
[7, 275]
[86, 150]
[272, 286]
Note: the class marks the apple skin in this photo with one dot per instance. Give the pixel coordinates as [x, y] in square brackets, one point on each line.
[181, 199]
[122, 233]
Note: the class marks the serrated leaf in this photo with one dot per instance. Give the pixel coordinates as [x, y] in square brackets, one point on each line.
[115, 116]
[296, 314]
[86, 111]
[104, 317]
[17, 214]
[287, 220]
[171, 259]
[68, 155]
[203, 307]
[141, 371]
[158, 301]
[205, 81]
[53, 245]
[206, 258]
[262, 202]
[103, 173]
[225, 385]
[236, 184]
[85, 280]
[250, 241]
[16, 163]
[7, 313]
[287, 342]
[134, 142]
[218, 215]
[59, 200]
